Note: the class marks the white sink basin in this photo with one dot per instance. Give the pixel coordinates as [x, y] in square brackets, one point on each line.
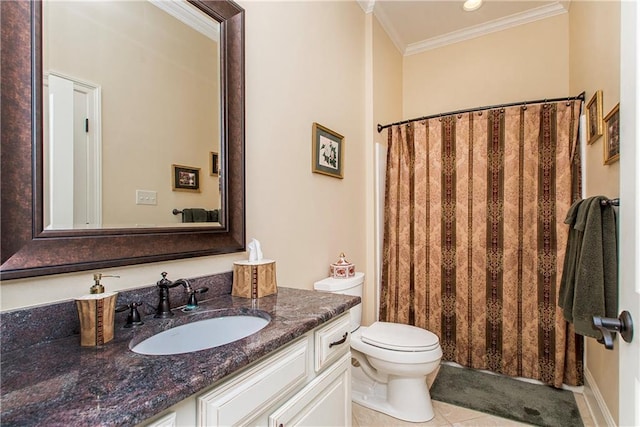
[201, 335]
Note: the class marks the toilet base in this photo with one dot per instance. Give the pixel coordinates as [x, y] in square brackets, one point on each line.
[407, 399]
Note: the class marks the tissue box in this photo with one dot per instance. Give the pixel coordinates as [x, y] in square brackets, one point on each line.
[254, 279]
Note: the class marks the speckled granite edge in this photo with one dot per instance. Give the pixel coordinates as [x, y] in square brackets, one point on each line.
[26, 327]
[59, 383]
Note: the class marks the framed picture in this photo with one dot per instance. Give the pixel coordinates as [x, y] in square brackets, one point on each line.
[185, 178]
[612, 136]
[594, 117]
[214, 166]
[328, 152]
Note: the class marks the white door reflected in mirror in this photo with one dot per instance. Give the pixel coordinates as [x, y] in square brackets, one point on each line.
[73, 169]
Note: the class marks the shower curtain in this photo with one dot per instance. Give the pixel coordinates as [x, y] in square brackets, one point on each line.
[474, 236]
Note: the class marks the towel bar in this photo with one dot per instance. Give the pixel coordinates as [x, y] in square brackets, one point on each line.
[611, 202]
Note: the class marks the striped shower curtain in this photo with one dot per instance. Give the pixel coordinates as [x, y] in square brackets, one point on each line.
[474, 236]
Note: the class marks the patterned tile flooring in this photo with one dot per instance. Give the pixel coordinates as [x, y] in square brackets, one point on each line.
[449, 416]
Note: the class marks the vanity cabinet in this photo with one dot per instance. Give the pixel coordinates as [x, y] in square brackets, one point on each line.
[307, 382]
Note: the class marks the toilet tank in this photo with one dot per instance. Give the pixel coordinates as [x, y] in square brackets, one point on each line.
[348, 286]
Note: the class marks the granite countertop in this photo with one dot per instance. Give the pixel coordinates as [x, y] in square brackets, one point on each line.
[61, 383]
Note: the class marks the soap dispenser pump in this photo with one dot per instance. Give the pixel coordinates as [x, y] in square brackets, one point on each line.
[97, 287]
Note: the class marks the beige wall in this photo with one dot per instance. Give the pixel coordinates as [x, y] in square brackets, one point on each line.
[387, 82]
[386, 108]
[527, 62]
[158, 97]
[594, 65]
[305, 63]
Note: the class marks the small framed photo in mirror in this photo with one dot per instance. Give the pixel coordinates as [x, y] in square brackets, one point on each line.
[185, 178]
[612, 136]
[594, 117]
[214, 166]
[328, 152]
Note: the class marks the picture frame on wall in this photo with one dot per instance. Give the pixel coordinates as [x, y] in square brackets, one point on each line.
[185, 178]
[612, 136]
[328, 152]
[594, 117]
[214, 165]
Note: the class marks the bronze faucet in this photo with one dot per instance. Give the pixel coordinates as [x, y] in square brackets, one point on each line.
[164, 305]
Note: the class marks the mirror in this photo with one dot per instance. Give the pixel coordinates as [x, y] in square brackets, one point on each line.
[28, 247]
[130, 90]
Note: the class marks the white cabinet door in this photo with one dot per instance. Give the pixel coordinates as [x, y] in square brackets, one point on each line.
[243, 398]
[325, 401]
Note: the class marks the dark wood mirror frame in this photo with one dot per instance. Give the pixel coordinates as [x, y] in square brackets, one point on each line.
[26, 249]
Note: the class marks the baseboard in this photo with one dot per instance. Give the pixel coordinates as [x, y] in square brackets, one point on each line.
[595, 402]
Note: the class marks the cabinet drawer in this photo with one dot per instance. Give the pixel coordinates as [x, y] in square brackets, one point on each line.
[235, 401]
[332, 341]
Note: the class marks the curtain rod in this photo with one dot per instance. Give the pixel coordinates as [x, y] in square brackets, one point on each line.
[489, 107]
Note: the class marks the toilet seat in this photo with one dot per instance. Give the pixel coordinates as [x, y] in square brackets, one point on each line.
[399, 337]
[391, 355]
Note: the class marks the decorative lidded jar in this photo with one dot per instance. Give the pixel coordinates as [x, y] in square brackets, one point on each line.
[342, 268]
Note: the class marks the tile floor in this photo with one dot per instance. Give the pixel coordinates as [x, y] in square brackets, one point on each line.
[450, 415]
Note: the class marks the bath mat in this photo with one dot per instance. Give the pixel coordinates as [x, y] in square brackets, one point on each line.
[506, 397]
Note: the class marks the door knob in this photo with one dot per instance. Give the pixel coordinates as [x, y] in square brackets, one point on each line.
[609, 326]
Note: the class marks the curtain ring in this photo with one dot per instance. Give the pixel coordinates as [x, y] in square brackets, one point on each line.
[459, 116]
[568, 101]
[524, 106]
[480, 113]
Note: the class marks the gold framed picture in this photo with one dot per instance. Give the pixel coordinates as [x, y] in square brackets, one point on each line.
[594, 117]
[612, 136]
[214, 165]
[328, 152]
[185, 178]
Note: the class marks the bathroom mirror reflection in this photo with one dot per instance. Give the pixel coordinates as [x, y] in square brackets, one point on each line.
[27, 247]
[129, 89]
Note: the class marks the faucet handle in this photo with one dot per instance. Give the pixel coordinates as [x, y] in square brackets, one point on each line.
[192, 304]
[133, 319]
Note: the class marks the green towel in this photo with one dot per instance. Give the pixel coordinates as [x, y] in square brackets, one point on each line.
[589, 284]
[194, 215]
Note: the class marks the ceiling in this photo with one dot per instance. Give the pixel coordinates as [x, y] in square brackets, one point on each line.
[419, 25]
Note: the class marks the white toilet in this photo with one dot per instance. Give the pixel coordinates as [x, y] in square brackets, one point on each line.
[393, 360]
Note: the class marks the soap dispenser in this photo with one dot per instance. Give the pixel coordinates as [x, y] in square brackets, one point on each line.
[97, 314]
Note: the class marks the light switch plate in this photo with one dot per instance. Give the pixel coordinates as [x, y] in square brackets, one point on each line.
[146, 197]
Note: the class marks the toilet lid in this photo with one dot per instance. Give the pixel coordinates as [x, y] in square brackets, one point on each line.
[399, 337]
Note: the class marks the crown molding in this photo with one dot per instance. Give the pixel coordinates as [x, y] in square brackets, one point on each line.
[190, 16]
[389, 28]
[486, 28]
[367, 5]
